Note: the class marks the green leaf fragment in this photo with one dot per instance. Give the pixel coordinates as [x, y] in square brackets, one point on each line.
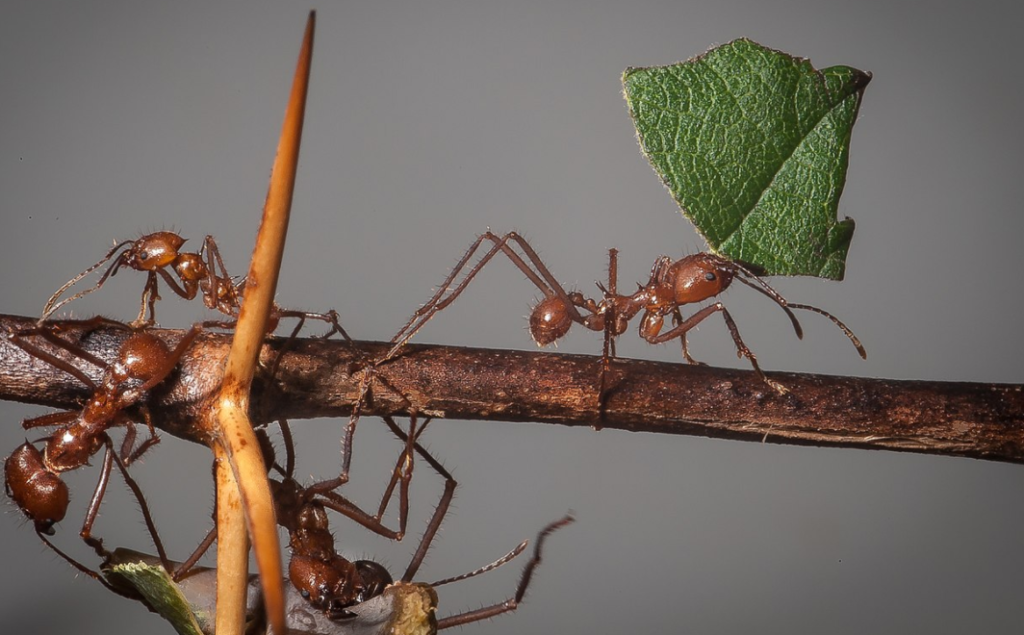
[160, 592]
[754, 145]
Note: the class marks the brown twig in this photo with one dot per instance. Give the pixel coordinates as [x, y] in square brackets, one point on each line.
[321, 378]
[235, 443]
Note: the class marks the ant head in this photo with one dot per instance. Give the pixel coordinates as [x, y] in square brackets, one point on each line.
[700, 276]
[153, 251]
[328, 584]
[375, 578]
[549, 320]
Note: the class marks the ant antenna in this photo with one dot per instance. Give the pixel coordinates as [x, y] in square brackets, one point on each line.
[786, 306]
[766, 289]
[508, 557]
[52, 305]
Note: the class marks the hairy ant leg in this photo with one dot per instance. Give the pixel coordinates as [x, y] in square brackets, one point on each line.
[652, 324]
[550, 326]
[110, 459]
[129, 593]
[329, 318]
[441, 509]
[538, 274]
[512, 603]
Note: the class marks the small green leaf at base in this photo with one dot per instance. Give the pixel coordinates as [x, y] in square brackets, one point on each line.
[754, 145]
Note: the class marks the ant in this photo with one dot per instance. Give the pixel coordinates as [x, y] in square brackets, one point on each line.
[325, 579]
[33, 478]
[160, 253]
[333, 584]
[673, 283]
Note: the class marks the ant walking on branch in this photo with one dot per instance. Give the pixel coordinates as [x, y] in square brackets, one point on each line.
[673, 284]
[33, 478]
[187, 274]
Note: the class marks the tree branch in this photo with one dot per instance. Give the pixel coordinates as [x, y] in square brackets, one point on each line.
[318, 378]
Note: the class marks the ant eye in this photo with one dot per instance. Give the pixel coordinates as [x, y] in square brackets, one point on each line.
[710, 276]
[143, 255]
[304, 593]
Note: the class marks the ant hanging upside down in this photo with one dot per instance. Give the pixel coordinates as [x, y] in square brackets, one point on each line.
[33, 478]
[187, 274]
[333, 584]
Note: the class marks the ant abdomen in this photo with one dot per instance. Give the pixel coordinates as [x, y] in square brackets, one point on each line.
[40, 493]
[141, 356]
[550, 320]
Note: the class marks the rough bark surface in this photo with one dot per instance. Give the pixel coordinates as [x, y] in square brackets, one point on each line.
[318, 378]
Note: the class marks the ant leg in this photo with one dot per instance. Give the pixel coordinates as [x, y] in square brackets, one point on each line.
[191, 561]
[539, 275]
[130, 455]
[400, 476]
[219, 284]
[182, 292]
[677, 319]
[89, 572]
[52, 419]
[610, 322]
[110, 459]
[331, 318]
[741, 348]
[204, 545]
[512, 603]
[48, 332]
[149, 297]
[52, 305]
[442, 506]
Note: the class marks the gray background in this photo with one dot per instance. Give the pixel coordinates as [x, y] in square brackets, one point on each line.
[429, 122]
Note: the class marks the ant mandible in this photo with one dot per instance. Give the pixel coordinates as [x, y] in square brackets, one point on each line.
[160, 253]
[33, 478]
[673, 284]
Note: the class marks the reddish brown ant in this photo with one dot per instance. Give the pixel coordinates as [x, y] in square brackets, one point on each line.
[32, 478]
[672, 284]
[334, 584]
[328, 581]
[202, 272]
